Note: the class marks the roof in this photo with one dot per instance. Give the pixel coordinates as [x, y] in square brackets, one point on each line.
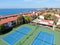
[46, 22]
[28, 14]
[11, 15]
[58, 16]
[31, 14]
[3, 21]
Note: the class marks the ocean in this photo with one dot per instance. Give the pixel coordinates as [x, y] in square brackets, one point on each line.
[14, 11]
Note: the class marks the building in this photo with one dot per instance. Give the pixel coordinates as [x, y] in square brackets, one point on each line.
[58, 16]
[11, 20]
[43, 22]
[41, 17]
[8, 21]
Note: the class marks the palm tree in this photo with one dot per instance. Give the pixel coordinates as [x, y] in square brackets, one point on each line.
[27, 19]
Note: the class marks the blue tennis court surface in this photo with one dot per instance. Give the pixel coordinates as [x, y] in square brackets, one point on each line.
[17, 35]
[44, 38]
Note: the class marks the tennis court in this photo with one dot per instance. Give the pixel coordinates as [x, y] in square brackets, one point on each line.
[12, 38]
[44, 38]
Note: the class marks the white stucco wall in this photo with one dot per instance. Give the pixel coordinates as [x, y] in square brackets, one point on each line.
[57, 15]
[41, 17]
[58, 23]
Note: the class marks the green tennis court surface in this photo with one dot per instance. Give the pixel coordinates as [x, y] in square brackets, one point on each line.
[44, 38]
[31, 35]
[15, 36]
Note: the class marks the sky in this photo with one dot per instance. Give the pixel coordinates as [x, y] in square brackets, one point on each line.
[29, 3]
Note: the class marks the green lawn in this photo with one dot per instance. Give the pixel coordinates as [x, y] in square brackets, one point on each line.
[28, 39]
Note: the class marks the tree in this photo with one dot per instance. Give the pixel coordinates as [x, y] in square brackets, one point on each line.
[27, 19]
[34, 17]
[1, 26]
[55, 19]
[20, 19]
[47, 16]
[58, 26]
[46, 8]
[50, 8]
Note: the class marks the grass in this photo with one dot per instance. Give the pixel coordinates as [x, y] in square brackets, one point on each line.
[28, 39]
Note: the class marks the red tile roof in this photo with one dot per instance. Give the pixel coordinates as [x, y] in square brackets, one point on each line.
[3, 21]
[47, 22]
[9, 15]
[30, 14]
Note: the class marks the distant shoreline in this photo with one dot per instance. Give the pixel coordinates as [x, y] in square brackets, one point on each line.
[15, 11]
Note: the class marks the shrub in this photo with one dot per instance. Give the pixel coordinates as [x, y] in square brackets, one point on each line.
[1, 26]
[47, 16]
[58, 26]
